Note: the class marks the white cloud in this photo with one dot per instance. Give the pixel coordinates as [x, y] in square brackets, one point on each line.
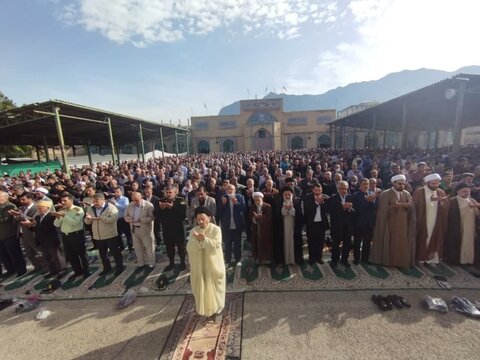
[143, 22]
[395, 35]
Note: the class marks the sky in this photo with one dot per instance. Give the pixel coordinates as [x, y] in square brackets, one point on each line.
[166, 60]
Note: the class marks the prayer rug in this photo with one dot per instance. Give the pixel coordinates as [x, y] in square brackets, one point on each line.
[194, 337]
[73, 283]
[439, 269]
[344, 272]
[138, 277]
[411, 271]
[23, 280]
[249, 270]
[374, 270]
[105, 280]
[311, 272]
[280, 272]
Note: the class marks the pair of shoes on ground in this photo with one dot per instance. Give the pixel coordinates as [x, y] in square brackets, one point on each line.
[385, 303]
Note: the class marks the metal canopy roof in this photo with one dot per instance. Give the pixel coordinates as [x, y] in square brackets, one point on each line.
[81, 125]
[430, 108]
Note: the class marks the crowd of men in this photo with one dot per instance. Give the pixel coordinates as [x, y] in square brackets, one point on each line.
[389, 207]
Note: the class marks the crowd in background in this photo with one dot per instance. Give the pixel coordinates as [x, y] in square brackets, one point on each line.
[271, 197]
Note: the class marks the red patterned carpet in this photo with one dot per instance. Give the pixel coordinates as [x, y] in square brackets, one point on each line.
[194, 337]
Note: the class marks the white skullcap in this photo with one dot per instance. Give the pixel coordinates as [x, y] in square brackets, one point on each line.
[399, 177]
[257, 194]
[432, 177]
[42, 190]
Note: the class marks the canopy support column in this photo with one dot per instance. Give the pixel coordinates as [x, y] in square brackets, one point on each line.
[437, 138]
[457, 127]
[187, 140]
[161, 142]
[89, 153]
[403, 145]
[354, 138]
[112, 144]
[118, 154]
[384, 138]
[176, 142]
[58, 125]
[142, 145]
[37, 150]
[45, 148]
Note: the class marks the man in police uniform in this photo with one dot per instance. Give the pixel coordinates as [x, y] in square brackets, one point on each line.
[172, 214]
[70, 222]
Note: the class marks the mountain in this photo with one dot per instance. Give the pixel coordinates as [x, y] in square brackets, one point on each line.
[386, 88]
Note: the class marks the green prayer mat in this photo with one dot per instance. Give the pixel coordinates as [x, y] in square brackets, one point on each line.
[411, 271]
[106, 279]
[73, 283]
[24, 279]
[439, 269]
[311, 272]
[280, 272]
[137, 277]
[374, 270]
[249, 270]
[344, 272]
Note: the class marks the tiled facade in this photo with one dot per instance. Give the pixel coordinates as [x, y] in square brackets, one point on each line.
[261, 125]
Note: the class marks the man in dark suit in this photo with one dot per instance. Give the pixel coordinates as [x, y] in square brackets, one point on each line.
[46, 236]
[172, 213]
[27, 211]
[364, 203]
[315, 215]
[10, 251]
[340, 207]
[232, 210]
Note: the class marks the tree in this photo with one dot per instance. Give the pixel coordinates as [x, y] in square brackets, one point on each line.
[12, 150]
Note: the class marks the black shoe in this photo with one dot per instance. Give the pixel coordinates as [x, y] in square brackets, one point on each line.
[382, 304]
[105, 272]
[149, 267]
[182, 266]
[92, 248]
[74, 276]
[21, 273]
[320, 262]
[169, 267]
[7, 274]
[119, 270]
[395, 301]
[49, 275]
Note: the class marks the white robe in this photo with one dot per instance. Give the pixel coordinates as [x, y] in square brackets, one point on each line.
[431, 211]
[207, 270]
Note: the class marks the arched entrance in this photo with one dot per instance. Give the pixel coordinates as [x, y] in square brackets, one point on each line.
[262, 140]
[203, 147]
[228, 146]
[323, 141]
[297, 143]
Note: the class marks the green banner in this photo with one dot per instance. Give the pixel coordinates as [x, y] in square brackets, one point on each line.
[36, 167]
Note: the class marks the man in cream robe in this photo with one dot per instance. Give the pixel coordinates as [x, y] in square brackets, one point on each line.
[431, 209]
[207, 269]
[462, 243]
[393, 241]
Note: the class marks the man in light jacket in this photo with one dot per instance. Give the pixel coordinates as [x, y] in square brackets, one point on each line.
[139, 215]
[103, 218]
